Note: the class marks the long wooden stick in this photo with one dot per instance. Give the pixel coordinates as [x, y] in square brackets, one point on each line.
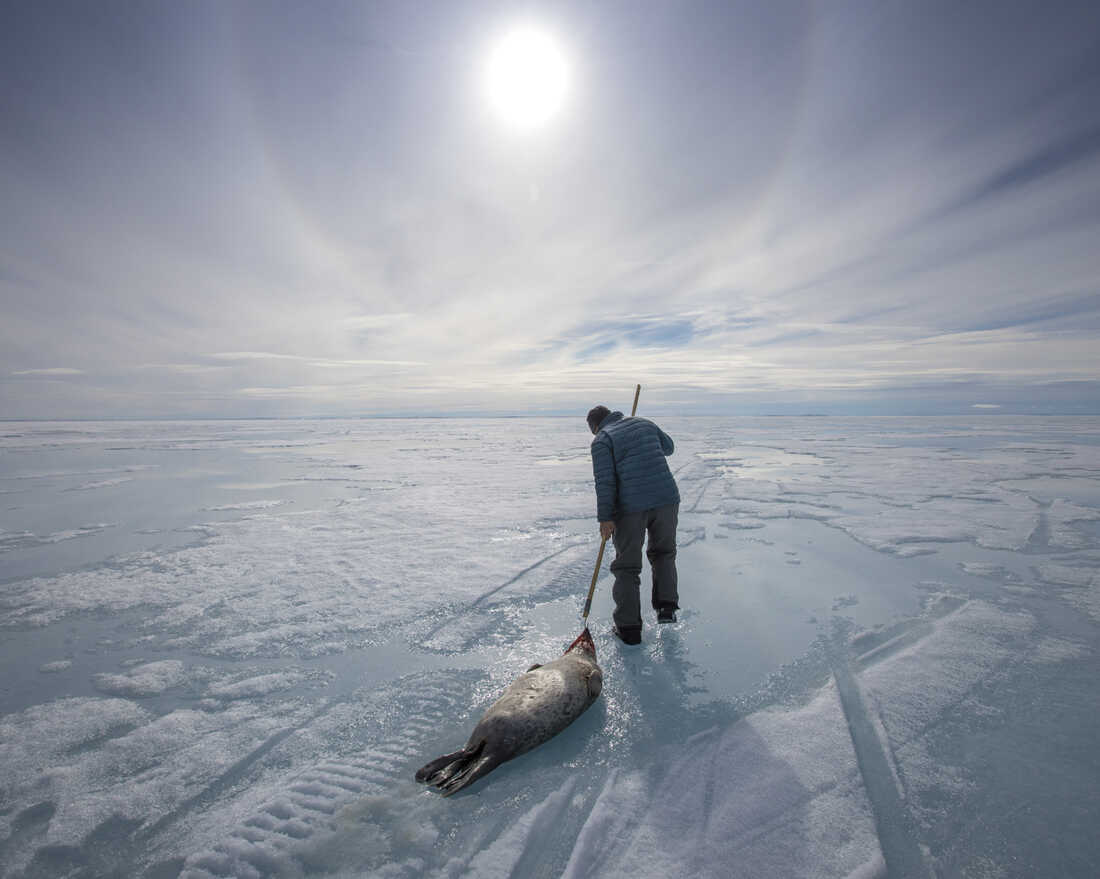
[592, 586]
[603, 541]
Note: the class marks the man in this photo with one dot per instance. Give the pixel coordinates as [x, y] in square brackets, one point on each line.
[636, 494]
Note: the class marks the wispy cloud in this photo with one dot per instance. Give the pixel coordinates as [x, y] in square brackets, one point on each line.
[312, 361]
[740, 208]
[185, 368]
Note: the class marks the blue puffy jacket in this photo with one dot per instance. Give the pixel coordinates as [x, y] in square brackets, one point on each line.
[628, 461]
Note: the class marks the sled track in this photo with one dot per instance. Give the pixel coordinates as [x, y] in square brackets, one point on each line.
[286, 830]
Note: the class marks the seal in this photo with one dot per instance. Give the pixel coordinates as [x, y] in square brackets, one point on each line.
[536, 707]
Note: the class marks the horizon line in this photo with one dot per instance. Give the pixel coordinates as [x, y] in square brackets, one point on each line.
[983, 413]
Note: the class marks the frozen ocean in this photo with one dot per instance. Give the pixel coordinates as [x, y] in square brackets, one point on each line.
[228, 646]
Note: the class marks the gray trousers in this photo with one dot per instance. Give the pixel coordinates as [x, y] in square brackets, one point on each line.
[630, 533]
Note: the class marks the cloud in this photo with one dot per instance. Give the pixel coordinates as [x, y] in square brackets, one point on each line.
[185, 368]
[254, 355]
[808, 204]
[1043, 161]
[377, 321]
[312, 361]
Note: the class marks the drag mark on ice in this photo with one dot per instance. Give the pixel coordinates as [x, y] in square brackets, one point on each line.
[896, 833]
[486, 595]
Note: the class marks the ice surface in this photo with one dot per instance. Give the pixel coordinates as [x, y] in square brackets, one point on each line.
[777, 794]
[886, 660]
[20, 540]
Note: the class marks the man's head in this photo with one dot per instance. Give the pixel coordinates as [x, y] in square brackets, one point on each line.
[596, 416]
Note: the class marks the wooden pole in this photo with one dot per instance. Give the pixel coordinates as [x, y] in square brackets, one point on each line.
[603, 541]
[592, 585]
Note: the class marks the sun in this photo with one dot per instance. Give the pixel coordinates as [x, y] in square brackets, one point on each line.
[527, 77]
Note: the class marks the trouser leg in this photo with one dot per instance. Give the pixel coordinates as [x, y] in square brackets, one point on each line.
[661, 551]
[627, 568]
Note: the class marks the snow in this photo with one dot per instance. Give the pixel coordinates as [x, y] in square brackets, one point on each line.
[22, 539]
[777, 794]
[885, 662]
[149, 679]
[102, 483]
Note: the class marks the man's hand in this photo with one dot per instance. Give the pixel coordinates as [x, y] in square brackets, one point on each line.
[607, 529]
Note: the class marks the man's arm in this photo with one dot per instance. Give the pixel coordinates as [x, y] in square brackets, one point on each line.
[603, 470]
[667, 445]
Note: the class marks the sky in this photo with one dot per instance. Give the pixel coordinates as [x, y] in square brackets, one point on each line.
[232, 209]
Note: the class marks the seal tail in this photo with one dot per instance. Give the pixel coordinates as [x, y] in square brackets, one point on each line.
[452, 772]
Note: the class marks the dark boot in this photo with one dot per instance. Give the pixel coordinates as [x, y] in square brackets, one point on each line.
[628, 634]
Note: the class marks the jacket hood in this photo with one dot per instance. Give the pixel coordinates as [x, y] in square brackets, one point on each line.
[610, 419]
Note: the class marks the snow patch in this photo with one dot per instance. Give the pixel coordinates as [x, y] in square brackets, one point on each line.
[260, 685]
[11, 540]
[150, 679]
[501, 857]
[246, 505]
[777, 794]
[102, 483]
[1049, 649]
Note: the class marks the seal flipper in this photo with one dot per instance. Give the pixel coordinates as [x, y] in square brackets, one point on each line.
[452, 772]
[425, 773]
[594, 682]
[469, 774]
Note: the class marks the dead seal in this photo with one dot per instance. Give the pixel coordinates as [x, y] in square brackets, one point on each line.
[536, 707]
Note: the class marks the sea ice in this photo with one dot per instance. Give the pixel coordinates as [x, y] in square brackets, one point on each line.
[226, 685]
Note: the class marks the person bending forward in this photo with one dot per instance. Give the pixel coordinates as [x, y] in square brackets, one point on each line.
[636, 495]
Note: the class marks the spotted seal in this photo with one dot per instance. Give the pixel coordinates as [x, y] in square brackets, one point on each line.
[536, 707]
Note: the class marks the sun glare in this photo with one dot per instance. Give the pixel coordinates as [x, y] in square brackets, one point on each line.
[527, 77]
